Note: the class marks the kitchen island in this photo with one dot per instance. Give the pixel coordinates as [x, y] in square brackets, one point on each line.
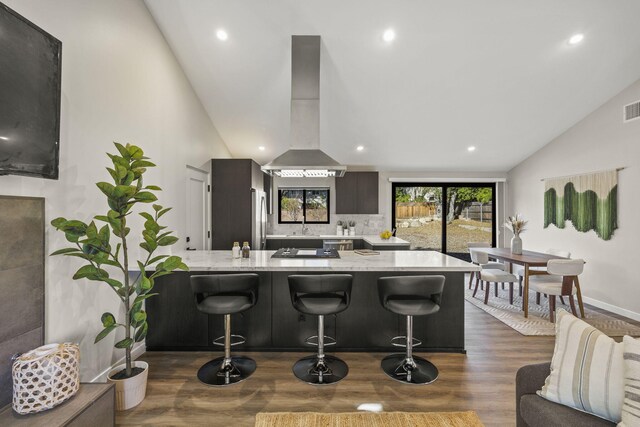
[274, 325]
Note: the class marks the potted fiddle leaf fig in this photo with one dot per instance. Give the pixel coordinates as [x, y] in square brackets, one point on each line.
[102, 244]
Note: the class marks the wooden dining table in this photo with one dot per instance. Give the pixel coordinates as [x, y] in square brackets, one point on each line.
[528, 259]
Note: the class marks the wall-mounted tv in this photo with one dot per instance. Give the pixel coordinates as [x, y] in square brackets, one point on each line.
[30, 78]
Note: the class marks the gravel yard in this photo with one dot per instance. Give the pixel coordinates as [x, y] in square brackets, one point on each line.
[459, 233]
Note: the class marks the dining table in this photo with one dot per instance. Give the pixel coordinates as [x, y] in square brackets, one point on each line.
[528, 259]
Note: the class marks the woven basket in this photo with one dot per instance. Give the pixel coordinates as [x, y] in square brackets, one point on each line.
[45, 377]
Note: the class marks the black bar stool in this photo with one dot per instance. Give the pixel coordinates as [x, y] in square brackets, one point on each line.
[320, 295]
[410, 296]
[226, 294]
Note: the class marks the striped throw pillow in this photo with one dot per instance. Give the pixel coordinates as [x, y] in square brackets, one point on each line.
[587, 369]
[631, 404]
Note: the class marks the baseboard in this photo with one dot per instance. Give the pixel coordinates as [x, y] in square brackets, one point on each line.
[612, 308]
[136, 352]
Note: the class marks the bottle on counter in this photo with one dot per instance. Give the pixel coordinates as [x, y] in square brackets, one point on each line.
[235, 250]
[246, 250]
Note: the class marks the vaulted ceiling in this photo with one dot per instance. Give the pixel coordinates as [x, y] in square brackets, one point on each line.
[499, 75]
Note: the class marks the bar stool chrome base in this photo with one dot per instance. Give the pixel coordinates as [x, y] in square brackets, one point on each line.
[315, 371]
[217, 373]
[414, 370]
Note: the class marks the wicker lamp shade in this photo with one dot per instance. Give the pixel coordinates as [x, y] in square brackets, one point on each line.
[45, 377]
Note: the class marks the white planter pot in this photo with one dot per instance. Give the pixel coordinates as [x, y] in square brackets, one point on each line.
[352, 231]
[516, 245]
[339, 231]
[130, 391]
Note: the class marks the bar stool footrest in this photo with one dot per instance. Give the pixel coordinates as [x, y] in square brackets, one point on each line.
[313, 340]
[240, 340]
[415, 342]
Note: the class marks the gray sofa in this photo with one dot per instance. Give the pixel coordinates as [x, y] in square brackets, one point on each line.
[534, 411]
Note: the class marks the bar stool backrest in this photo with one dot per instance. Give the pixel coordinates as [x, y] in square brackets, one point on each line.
[208, 285]
[331, 285]
[419, 287]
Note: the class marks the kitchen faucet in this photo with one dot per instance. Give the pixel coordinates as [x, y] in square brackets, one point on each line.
[304, 229]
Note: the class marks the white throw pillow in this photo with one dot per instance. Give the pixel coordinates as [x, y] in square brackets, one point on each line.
[587, 369]
[631, 405]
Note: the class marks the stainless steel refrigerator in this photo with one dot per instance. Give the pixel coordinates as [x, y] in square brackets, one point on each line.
[259, 219]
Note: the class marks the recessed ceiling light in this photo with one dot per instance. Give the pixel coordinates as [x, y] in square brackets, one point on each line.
[360, 147]
[389, 35]
[471, 148]
[576, 38]
[222, 35]
[261, 148]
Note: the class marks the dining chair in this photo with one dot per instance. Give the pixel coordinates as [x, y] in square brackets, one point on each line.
[519, 270]
[487, 265]
[561, 280]
[489, 275]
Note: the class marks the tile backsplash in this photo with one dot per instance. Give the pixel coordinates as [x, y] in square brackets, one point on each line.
[365, 224]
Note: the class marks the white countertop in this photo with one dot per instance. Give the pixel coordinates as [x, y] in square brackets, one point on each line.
[349, 261]
[372, 239]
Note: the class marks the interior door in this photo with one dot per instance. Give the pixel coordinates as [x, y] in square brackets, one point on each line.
[197, 208]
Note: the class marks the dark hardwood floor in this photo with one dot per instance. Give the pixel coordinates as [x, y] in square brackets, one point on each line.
[483, 380]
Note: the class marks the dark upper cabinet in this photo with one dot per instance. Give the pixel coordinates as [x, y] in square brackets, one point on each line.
[231, 184]
[357, 193]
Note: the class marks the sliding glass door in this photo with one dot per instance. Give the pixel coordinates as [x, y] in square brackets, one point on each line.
[444, 217]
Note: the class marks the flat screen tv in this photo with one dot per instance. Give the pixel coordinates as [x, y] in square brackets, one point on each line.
[30, 77]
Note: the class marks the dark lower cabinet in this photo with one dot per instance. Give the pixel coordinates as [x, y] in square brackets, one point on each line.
[274, 325]
[174, 321]
[368, 245]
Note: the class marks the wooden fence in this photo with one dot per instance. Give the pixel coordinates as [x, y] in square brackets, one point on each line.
[415, 210]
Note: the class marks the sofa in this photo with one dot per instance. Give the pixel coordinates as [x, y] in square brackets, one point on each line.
[534, 411]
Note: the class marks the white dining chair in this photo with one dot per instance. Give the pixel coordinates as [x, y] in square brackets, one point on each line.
[488, 265]
[490, 275]
[519, 270]
[562, 280]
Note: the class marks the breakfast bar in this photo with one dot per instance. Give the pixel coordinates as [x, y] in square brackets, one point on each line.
[274, 325]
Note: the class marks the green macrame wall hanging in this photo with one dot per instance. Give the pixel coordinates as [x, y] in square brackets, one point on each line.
[589, 201]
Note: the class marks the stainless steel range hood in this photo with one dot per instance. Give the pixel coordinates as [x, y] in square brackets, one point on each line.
[305, 159]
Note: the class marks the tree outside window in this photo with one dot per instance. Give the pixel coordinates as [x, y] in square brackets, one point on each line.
[312, 204]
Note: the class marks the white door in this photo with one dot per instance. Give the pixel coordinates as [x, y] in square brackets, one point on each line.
[197, 209]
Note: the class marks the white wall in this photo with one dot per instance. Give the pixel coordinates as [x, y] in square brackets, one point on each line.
[600, 141]
[121, 82]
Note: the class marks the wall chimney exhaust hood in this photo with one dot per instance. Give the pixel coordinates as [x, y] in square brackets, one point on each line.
[305, 159]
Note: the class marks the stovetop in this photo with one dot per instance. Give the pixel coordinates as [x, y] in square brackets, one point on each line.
[305, 253]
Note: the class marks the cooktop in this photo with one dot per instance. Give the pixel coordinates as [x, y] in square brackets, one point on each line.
[305, 253]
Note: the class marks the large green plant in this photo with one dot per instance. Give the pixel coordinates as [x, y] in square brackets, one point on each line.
[94, 245]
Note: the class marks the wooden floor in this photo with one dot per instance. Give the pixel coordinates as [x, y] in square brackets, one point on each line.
[482, 380]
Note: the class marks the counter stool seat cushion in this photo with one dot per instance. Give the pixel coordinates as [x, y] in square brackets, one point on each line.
[493, 275]
[225, 304]
[320, 304]
[411, 305]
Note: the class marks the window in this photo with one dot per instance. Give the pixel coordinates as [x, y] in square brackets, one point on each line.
[312, 204]
[467, 209]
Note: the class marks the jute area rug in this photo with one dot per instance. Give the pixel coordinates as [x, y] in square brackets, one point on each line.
[368, 419]
[538, 321]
